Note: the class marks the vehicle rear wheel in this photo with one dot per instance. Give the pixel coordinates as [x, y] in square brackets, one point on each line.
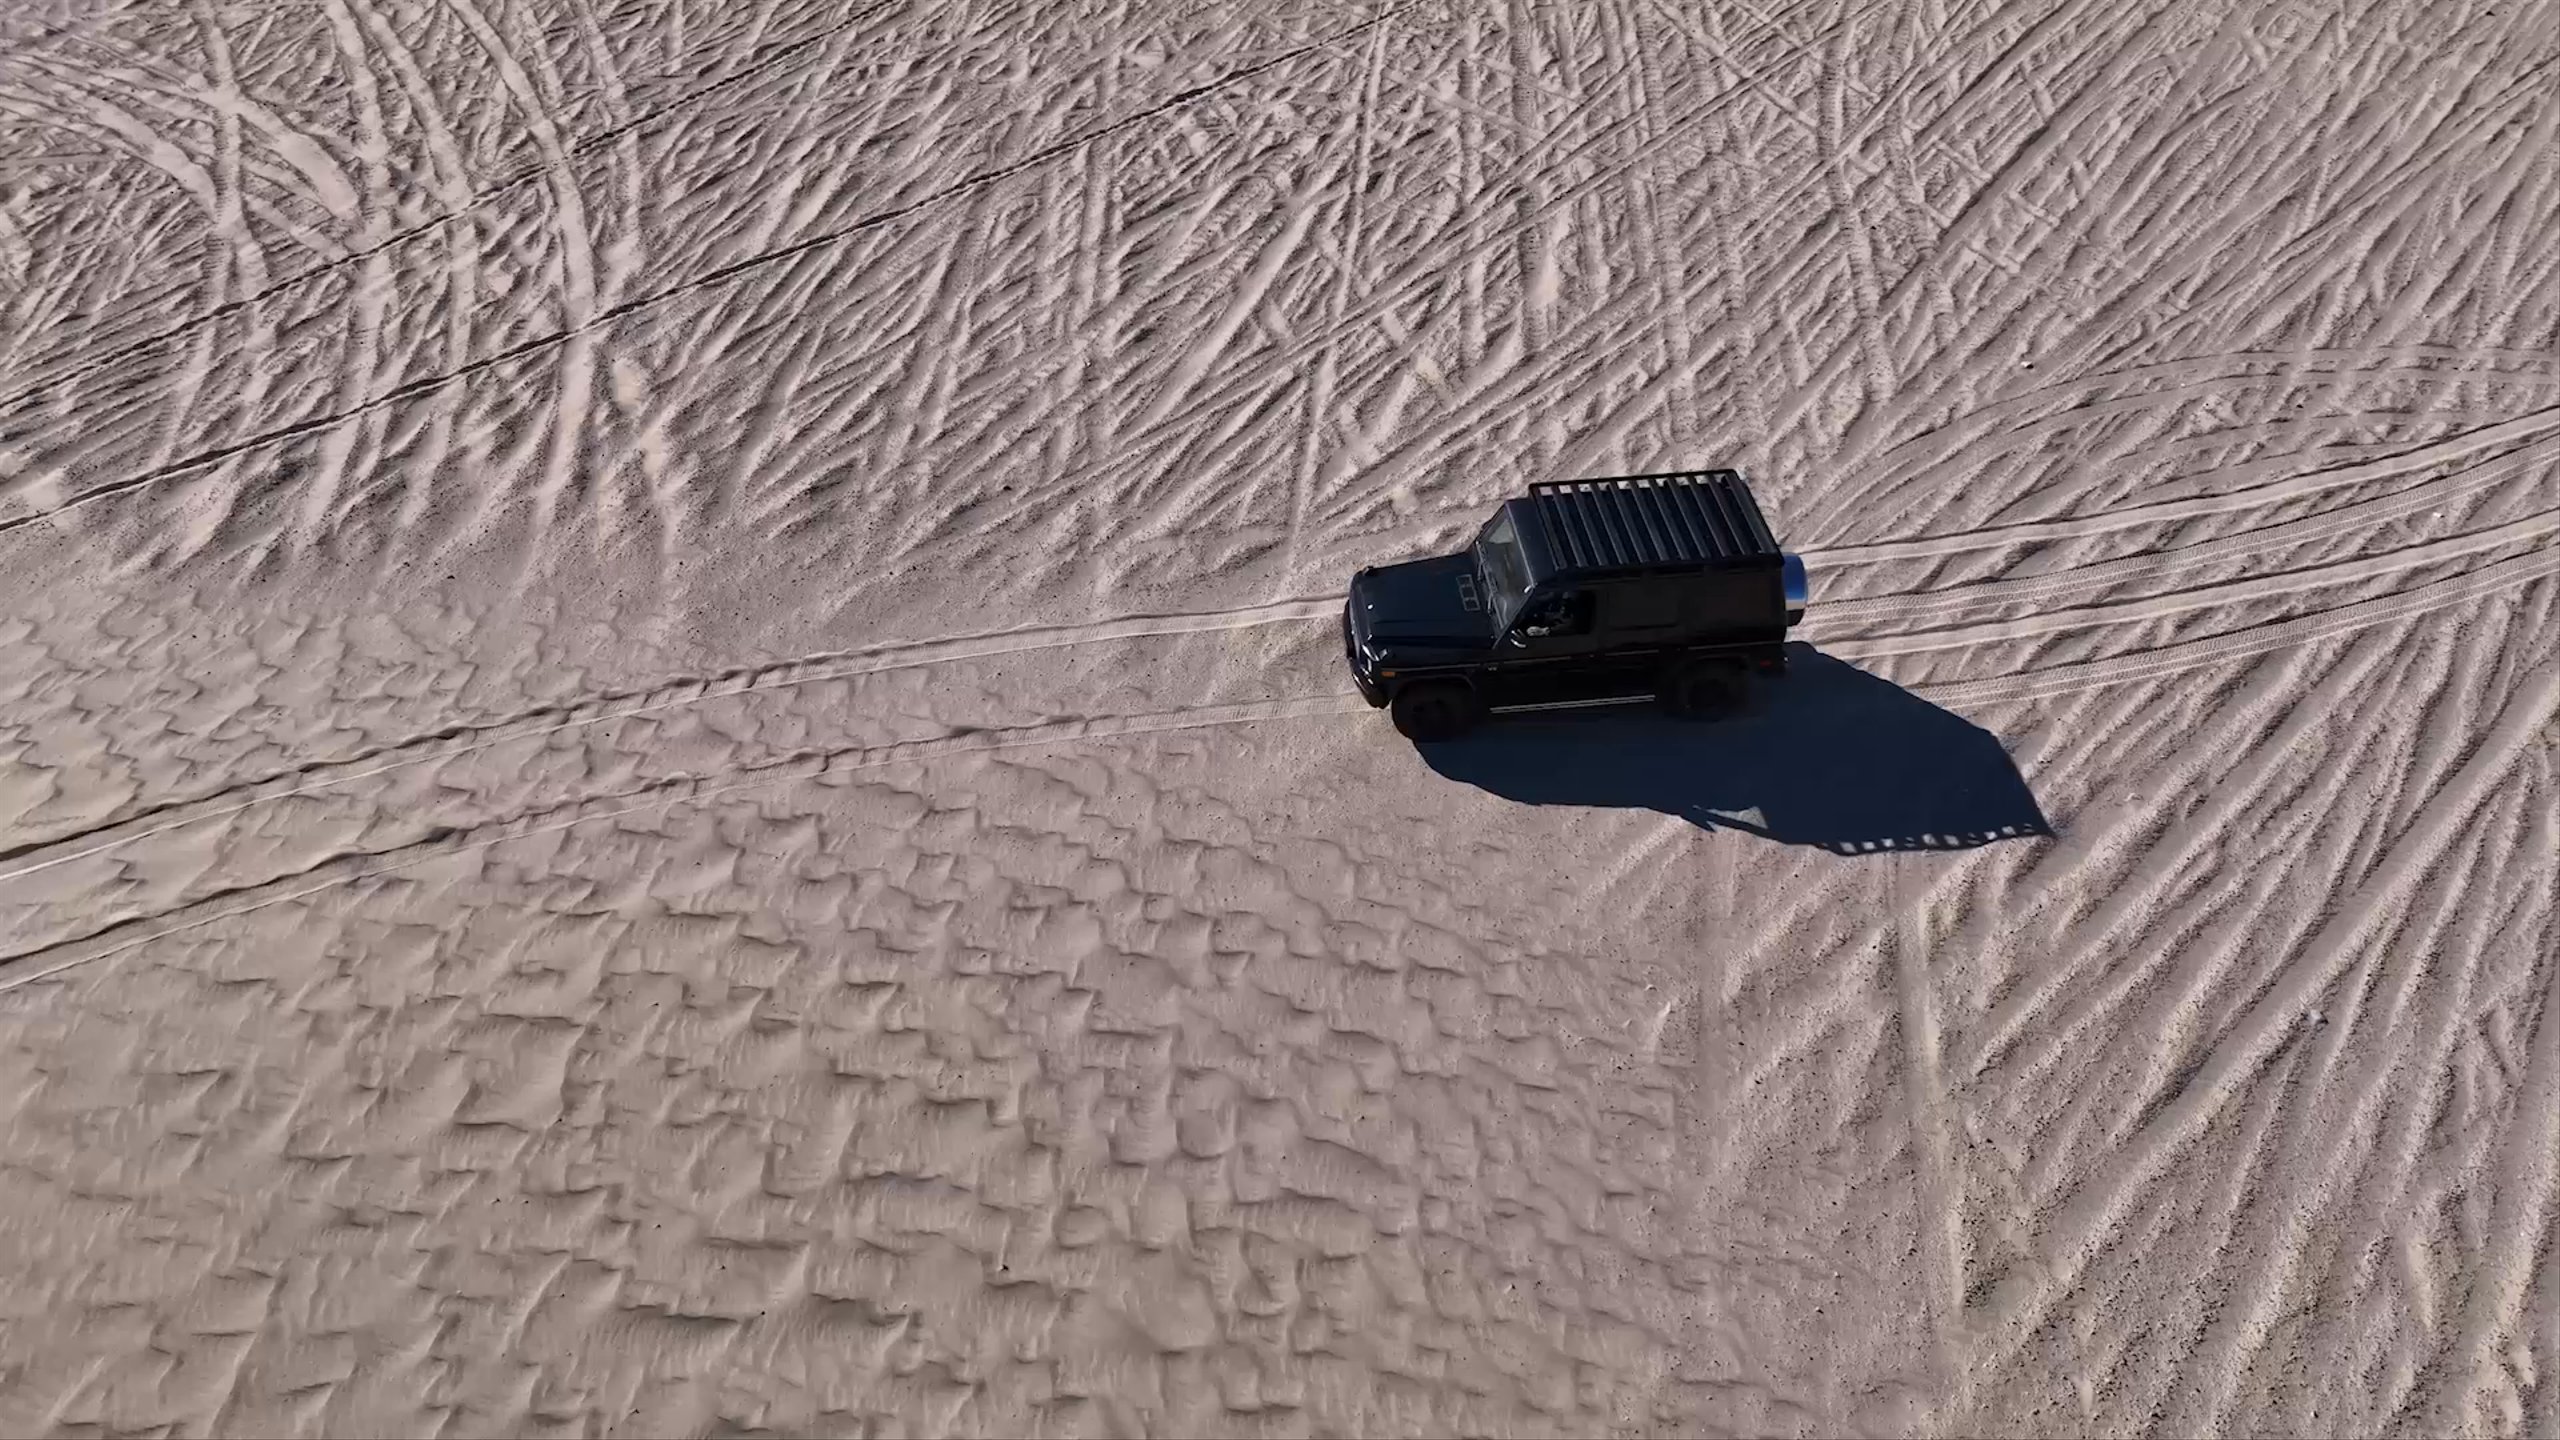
[1706, 689]
[1438, 710]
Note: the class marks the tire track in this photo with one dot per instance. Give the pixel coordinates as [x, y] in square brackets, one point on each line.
[800, 767]
[1720, 195]
[2155, 564]
[460, 239]
[2382, 1205]
[2294, 483]
[302, 168]
[2377, 202]
[1595, 330]
[1939, 1182]
[2529, 1173]
[2190, 252]
[2202, 597]
[1246, 388]
[46, 33]
[544, 342]
[456, 212]
[1965, 234]
[1971, 433]
[364, 356]
[2244, 1330]
[1826, 1000]
[2144, 665]
[2224, 925]
[319, 775]
[574, 376]
[1348, 260]
[2186, 254]
[719, 276]
[1712, 36]
[2032, 161]
[2429, 495]
[1832, 157]
[248, 261]
[1658, 243]
[2171, 659]
[2018, 1306]
[99, 118]
[1808, 249]
[2137, 895]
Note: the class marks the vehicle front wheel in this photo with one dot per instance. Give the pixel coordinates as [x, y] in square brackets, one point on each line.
[1706, 690]
[1440, 710]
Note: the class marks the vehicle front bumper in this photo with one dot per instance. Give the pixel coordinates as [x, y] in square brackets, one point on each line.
[1370, 690]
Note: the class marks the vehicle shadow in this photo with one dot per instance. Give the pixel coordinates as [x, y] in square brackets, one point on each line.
[1829, 756]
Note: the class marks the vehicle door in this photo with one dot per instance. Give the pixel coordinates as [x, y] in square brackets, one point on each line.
[1546, 656]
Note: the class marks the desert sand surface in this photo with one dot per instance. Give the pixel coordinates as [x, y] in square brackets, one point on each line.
[674, 759]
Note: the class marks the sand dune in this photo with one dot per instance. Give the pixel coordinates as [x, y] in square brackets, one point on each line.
[672, 758]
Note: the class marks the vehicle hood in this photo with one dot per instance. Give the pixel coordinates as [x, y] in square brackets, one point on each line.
[1435, 603]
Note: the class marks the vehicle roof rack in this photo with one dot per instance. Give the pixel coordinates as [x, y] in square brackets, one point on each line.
[1643, 522]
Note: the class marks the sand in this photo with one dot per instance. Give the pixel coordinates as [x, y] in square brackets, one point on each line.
[673, 761]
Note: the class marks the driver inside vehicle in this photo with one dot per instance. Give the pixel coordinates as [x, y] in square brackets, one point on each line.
[1550, 615]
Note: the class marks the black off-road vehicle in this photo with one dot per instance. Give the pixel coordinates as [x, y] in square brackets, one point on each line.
[1582, 592]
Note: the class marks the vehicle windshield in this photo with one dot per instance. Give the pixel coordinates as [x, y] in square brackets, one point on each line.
[1498, 565]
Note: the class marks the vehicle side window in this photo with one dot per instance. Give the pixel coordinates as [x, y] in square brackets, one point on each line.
[1732, 600]
[1641, 606]
[1556, 614]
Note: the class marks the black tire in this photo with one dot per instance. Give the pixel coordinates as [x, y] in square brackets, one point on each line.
[1434, 710]
[1706, 690]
